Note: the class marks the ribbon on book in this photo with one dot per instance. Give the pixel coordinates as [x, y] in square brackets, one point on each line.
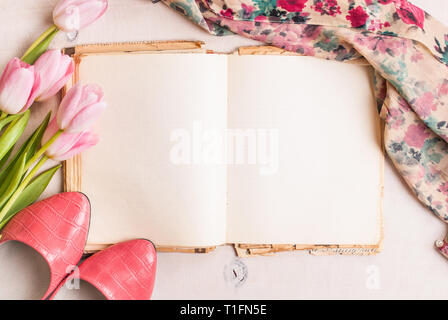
[407, 48]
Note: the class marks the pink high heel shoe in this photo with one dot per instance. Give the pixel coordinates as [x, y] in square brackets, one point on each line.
[57, 229]
[124, 271]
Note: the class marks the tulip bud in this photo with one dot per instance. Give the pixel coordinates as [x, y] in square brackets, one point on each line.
[54, 70]
[80, 108]
[67, 145]
[73, 15]
[18, 87]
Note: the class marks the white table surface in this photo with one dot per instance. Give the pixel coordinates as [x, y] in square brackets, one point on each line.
[408, 267]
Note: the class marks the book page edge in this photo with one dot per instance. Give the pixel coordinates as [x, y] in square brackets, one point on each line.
[72, 169]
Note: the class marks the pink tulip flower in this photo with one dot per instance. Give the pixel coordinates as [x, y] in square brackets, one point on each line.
[54, 69]
[67, 145]
[18, 87]
[73, 15]
[80, 108]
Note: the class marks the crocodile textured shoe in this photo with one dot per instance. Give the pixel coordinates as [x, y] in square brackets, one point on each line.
[56, 228]
[124, 271]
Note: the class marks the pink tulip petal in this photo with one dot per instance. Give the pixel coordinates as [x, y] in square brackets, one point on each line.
[62, 144]
[34, 92]
[86, 117]
[92, 11]
[64, 73]
[66, 23]
[52, 128]
[86, 141]
[56, 87]
[91, 94]
[72, 15]
[13, 64]
[62, 5]
[66, 67]
[69, 106]
[48, 65]
[16, 90]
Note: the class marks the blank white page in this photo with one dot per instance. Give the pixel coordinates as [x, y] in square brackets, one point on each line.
[135, 188]
[327, 186]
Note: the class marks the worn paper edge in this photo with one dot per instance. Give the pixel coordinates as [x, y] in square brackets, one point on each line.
[72, 169]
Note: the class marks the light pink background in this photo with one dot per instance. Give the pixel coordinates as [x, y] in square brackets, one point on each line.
[408, 267]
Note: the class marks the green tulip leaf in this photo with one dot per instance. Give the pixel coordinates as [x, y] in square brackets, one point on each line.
[8, 120]
[33, 143]
[12, 181]
[30, 194]
[3, 162]
[29, 147]
[9, 138]
[39, 49]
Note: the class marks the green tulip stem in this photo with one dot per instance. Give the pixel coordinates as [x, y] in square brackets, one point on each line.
[42, 150]
[3, 115]
[41, 38]
[21, 187]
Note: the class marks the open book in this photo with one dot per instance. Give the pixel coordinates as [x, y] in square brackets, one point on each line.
[266, 151]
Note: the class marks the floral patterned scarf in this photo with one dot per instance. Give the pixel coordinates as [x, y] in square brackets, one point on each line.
[407, 48]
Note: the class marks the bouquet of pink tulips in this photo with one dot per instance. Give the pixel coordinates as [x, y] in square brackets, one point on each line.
[37, 76]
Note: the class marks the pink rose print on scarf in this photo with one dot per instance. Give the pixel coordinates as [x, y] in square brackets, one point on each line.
[227, 13]
[385, 45]
[416, 135]
[395, 118]
[443, 247]
[292, 5]
[327, 7]
[417, 56]
[444, 188]
[296, 40]
[407, 12]
[417, 175]
[357, 16]
[443, 89]
[247, 9]
[425, 105]
[377, 24]
[410, 14]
